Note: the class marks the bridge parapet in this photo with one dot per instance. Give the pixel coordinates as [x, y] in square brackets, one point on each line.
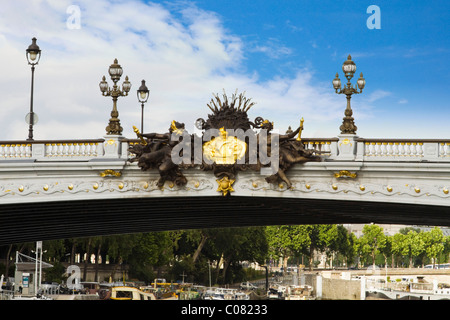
[402, 150]
[408, 150]
[64, 150]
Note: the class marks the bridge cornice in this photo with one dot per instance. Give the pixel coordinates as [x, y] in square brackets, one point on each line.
[401, 182]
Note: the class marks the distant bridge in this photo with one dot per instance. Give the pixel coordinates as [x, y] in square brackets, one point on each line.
[77, 188]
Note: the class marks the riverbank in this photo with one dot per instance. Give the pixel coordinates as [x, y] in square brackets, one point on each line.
[353, 284]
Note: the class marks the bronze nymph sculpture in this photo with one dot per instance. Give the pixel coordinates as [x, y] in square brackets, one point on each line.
[224, 154]
[155, 153]
[290, 151]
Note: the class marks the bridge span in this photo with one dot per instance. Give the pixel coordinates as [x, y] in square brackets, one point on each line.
[73, 188]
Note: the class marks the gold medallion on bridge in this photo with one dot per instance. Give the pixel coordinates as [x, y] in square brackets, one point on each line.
[224, 149]
[225, 185]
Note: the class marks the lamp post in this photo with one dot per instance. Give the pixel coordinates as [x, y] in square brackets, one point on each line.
[349, 68]
[33, 54]
[115, 72]
[142, 94]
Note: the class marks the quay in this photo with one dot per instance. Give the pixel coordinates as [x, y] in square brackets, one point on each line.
[359, 284]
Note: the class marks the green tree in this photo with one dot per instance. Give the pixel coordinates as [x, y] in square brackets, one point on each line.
[57, 273]
[198, 238]
[386, 251]
[284, 241]
[193, 249]
[339, 240]
[55, 250]
[434, 243]
[372, 241]
[153, 250]
[334, 238]
[408, 229]
[321, 236]
[119, 249]
[413, 245]
[226, 247]
[239, 244]
[349, 248]
[398, 245]
[447, 248]
[97, 243]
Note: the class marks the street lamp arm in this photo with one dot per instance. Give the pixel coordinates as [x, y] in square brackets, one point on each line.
[115, 92]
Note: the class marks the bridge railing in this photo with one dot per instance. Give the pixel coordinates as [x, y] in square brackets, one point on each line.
[403, 149]
[328, 146]
[365, 149]
[15, 149]
[52, 149]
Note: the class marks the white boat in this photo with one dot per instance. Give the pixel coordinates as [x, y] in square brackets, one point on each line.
[415, 291]
[225, 294]
[276, 292]
[299, 293]
[15, 297]
[241, 296]
[129, 293]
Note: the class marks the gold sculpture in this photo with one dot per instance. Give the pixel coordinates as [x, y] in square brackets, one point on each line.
[225, 185]
[299, 138]
[136, 130]
[224, 149]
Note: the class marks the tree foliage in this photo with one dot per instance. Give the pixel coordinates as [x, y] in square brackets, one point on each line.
[372, 241]
[217, 254]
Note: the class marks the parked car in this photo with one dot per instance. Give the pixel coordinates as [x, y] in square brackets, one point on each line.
[247, 286]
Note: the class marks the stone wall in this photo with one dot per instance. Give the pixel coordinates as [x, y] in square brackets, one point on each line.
[338, 289]
[332, 288]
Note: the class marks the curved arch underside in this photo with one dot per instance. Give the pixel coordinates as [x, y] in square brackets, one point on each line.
[29, 222]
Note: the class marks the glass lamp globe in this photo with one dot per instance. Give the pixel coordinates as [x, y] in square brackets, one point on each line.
[33, 52]
[103, 85]
[337, 82]
[126, 85]
[142, 92]
[361, 82]
[115, 71]
[349, 67]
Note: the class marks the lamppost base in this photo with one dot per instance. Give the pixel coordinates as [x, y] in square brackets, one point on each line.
[113, 146]
[348, 124]
[348, 127]
[114, 127]
[347, 147]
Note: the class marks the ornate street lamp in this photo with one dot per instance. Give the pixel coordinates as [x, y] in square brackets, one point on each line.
[349, 68]
[142, 95]
[115, 72]
[33, 54]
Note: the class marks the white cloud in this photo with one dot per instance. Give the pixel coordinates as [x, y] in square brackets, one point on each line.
[272, 48]
[293, 27]
[377, 95]
[184, 56]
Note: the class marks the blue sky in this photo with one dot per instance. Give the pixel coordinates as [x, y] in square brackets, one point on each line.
[407, 61]
[283, 54]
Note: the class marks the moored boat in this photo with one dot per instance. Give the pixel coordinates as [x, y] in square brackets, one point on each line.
[129, 293]
[225, 294]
